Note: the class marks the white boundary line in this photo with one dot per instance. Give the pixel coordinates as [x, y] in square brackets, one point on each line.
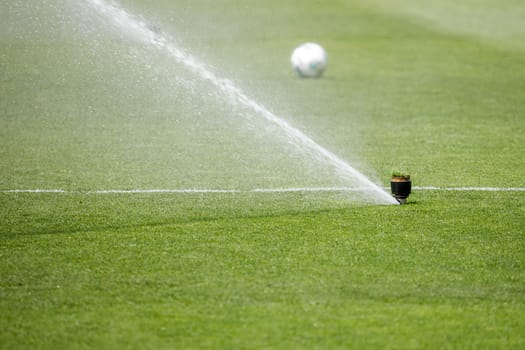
[192, 190]
[481, 189]
[260, 190]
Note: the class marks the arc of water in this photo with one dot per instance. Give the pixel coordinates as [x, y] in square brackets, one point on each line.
[140, 30]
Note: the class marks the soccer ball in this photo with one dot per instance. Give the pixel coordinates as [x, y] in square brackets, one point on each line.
[309, 60]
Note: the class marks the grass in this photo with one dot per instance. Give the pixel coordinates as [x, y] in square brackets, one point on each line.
[339, 278]
[362, 277]
[86, 108]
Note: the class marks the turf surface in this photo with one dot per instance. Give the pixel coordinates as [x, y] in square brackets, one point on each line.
[436, 89]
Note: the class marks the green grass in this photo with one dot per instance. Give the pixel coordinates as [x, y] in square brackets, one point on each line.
[368, 277]
[84, 107]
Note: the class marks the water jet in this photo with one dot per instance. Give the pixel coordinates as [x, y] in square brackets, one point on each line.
[136, 28]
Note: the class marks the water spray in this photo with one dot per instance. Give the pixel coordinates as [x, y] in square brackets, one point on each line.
[141, 31]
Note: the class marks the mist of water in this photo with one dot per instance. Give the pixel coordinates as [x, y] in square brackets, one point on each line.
[140, 30]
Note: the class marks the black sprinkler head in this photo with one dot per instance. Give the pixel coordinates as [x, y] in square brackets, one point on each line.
[401, 187]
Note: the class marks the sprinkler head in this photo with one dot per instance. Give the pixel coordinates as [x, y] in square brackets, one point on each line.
[401, 186]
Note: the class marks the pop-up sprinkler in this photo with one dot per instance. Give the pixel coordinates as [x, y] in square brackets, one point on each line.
[401, 186]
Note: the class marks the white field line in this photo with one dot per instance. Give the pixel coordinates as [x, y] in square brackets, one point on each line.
[260, 190]
[481, 189]
[193, 190]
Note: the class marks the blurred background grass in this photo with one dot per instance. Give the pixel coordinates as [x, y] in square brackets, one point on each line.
[87, 107]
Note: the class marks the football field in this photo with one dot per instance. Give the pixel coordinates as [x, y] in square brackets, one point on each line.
[164, 184]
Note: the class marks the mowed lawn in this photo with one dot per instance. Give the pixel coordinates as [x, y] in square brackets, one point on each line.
[434, 88]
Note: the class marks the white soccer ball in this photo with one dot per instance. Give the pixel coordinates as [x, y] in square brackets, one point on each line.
[309, 60]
